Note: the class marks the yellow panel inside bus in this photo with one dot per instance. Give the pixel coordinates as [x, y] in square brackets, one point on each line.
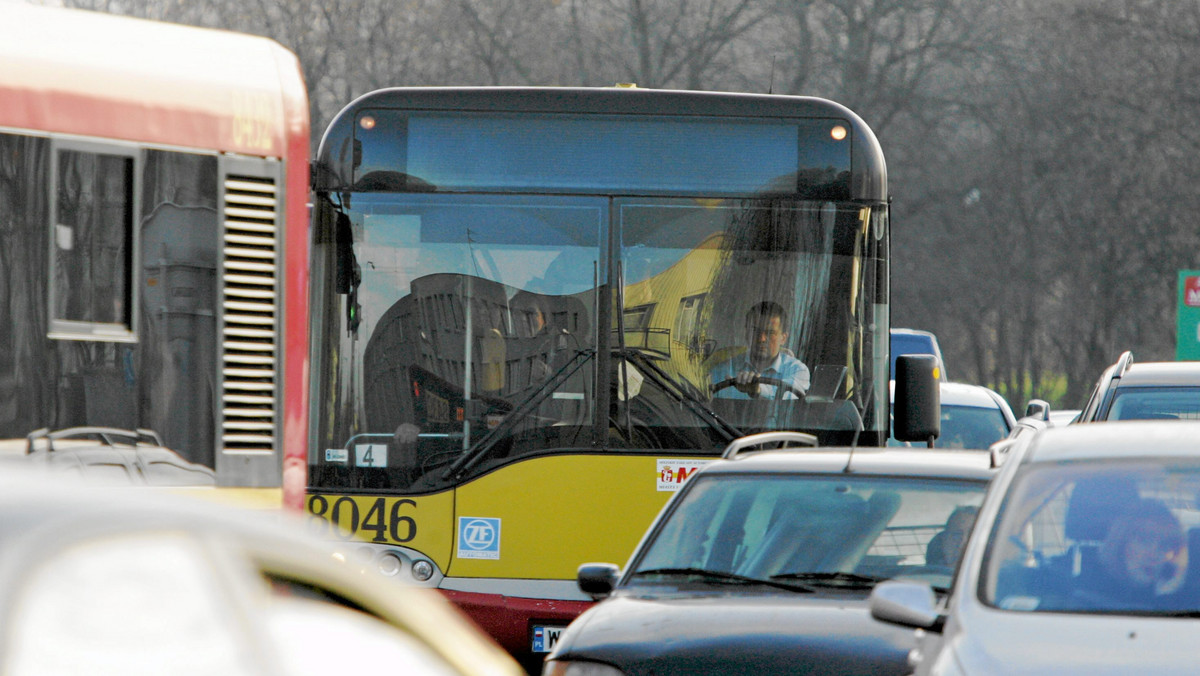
[552, 513]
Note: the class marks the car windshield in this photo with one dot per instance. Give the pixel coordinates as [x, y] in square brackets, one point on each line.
[971, 427]
[1098, 537]
[1156, 403]
[967, 427]
[840, 530]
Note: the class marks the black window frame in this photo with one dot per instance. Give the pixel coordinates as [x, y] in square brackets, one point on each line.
[125, 329]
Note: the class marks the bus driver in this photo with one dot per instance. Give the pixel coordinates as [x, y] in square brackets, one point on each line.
[764, 358]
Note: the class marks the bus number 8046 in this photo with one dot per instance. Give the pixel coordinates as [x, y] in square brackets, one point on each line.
[350, 516]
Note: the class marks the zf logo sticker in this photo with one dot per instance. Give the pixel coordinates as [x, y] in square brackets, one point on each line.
[478, 538]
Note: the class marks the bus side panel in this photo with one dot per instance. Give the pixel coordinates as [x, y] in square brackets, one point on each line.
[161, 377]
[542, 517]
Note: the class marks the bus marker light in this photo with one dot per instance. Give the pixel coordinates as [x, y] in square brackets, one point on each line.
[422, 570]
[838, 132]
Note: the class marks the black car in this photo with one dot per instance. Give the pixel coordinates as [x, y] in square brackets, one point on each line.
[762, 564]
[1145, 391]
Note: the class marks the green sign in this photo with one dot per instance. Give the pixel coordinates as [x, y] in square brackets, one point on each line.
[1187, 317]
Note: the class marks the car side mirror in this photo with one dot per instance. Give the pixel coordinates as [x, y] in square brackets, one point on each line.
[917, 402]
[1000, 451]
[1038, 408]
[908, 604]
[597, 580]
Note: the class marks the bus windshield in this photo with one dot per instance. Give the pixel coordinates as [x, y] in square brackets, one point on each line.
[479, 328]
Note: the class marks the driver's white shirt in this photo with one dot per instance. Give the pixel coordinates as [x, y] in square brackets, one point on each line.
[785, 367]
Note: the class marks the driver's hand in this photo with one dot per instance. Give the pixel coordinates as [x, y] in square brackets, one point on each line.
[747, 382]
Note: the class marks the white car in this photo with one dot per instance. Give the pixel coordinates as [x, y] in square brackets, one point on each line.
[973, 416]
[1078, 562]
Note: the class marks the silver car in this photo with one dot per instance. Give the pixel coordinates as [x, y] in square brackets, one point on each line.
[124, 580]
[1078, 562]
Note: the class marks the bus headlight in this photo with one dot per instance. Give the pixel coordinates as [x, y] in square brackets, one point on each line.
[389, 564]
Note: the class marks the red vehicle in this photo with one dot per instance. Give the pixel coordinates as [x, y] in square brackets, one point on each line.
[153, 247]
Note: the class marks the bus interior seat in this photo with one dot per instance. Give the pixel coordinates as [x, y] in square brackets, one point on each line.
[826, 380]
[1094, 504]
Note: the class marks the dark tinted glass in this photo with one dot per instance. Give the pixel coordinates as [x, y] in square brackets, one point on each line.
[92, 237]
[401, 150]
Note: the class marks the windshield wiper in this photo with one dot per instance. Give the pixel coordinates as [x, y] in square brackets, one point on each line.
[680, 392]
[717, 575]
[840, 580]
[534, 399]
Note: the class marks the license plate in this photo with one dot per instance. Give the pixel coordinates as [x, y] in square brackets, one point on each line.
[545, 637]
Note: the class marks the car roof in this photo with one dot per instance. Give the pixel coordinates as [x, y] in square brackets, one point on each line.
[1115, 440]
[965, 394]
[31, 499]
[911, 332]
[1161, 373]
[916, 462]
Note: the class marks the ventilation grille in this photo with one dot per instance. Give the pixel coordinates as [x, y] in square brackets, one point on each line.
[250, 337]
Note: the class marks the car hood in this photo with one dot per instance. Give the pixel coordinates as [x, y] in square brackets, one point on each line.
[1064, 644]
[738, 634]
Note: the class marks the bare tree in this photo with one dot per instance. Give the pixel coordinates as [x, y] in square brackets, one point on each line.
[658, 43]
[1043, 156]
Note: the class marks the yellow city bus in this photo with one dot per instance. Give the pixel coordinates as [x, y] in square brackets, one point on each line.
[526, 305]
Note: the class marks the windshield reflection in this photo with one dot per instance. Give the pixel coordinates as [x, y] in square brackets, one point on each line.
[835, 532]
[479, 328]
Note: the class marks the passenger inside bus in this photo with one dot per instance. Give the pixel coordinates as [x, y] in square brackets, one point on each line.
[526, 362]
[549, 341]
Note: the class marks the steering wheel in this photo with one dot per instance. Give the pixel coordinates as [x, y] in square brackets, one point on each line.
[780, 386]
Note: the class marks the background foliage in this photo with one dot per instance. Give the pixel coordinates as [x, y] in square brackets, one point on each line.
[1041, 154]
